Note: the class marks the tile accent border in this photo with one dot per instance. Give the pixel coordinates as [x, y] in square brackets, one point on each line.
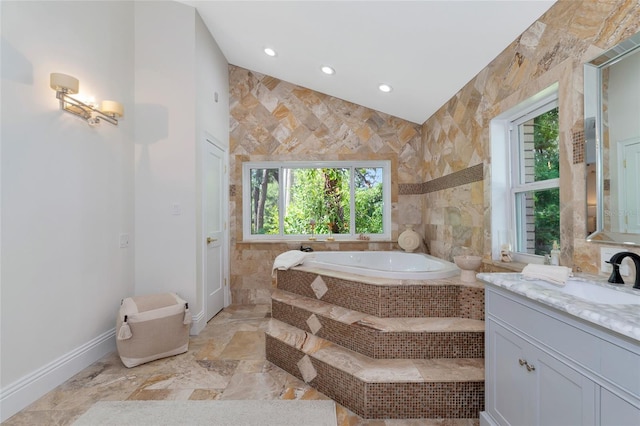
[461, 177]
[578, 147]
[410, 188]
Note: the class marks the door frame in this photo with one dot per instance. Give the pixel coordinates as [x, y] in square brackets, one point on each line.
[210, 139]
[623, 185]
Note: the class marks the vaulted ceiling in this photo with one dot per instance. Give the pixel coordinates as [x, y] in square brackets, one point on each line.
[425, 50]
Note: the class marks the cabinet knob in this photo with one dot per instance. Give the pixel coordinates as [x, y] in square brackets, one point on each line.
[530, 367]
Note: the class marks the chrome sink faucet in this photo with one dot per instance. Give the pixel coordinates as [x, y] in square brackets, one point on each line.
[616, 260]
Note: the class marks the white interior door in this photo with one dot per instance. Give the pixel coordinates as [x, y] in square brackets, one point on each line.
[214, 226]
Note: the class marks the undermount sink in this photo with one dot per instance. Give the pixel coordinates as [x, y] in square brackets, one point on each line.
[595, 293]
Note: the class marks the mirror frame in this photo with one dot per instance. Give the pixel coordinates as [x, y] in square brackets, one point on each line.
[593, 131]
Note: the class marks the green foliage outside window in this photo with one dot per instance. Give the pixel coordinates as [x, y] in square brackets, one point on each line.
[547, 166]
[369, 201]
[317, 194]
[321, 195]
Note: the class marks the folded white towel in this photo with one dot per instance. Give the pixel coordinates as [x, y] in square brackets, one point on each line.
[288, 259]
[554, 274]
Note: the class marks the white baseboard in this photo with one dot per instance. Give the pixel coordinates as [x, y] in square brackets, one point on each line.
[486, 419]
[28, 389]
[198, 324]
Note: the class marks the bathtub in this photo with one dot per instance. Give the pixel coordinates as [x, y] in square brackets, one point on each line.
[383, 264]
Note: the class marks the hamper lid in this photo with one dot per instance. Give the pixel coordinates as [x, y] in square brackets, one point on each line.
[151, 302]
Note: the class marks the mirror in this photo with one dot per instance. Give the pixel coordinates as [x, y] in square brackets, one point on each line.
[612, 144]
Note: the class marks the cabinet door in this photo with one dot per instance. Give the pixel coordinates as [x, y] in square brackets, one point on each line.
[564, 396]
[510, 401]
[530, 387]
[614, 411]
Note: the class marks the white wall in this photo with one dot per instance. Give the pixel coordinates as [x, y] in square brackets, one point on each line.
[165, 149]
[212, 77]
[624, 123]
[67, 192]
[212, 119]
[176, 75]
[624, 102]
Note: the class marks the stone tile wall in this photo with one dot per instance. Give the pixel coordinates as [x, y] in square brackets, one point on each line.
[276, 120]
[456, 137]
[442, 169]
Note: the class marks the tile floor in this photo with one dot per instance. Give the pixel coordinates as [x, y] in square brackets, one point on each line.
[225, 361]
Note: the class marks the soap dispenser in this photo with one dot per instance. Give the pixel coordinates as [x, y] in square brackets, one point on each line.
[555, 254]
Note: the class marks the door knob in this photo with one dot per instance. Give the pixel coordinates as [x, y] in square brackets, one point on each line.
[210, 240]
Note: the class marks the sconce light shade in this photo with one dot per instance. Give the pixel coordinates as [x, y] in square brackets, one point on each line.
[112, 108]
[64, 83]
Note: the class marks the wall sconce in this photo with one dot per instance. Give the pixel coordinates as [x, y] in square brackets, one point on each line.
[66, 85]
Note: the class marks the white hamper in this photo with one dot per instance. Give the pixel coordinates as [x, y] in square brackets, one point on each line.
[151, 327]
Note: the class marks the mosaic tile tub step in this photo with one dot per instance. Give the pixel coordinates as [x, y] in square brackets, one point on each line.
[425, 363]
[389, 388]
[380, 338]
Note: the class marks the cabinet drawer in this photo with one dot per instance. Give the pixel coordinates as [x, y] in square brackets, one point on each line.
[621, 367]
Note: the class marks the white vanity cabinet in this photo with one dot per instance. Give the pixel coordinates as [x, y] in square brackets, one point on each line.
[533, 388]
[545, 367]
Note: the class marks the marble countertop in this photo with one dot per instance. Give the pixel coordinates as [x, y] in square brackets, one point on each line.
[623, 319]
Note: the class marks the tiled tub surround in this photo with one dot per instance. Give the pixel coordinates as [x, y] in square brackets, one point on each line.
[274, 120]
[383, 348]
[386, 298]
[277, 120]
[620, 318]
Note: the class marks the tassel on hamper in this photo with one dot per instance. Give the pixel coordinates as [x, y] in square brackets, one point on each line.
[125, 331]
[187, 315]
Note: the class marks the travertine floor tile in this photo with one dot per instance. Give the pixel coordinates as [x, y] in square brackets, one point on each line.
[226, 361]
[245, 345]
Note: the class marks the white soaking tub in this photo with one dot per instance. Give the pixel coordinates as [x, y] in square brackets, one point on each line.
[383, 264]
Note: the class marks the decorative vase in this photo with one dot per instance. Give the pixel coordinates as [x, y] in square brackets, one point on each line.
[468, 265]
[409, 240]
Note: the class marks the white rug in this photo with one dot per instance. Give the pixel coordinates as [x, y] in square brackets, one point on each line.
[211, 413]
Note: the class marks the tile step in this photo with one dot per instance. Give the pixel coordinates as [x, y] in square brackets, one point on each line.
[379, 389]
[350, 317]
[369, 370]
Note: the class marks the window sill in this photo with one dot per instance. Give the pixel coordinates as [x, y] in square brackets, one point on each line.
[317, 241]
[511, 266]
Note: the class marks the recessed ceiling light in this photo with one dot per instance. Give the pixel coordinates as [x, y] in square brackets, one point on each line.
[328, 70]
[269, 51]
[385, 88]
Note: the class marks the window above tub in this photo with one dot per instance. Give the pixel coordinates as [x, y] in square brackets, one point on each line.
[322, 200]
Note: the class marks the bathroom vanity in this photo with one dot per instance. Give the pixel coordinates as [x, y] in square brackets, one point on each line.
[560, 355]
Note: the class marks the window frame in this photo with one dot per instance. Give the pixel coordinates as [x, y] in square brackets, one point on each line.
[246, 198]
[505, 171]
[518, 186]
